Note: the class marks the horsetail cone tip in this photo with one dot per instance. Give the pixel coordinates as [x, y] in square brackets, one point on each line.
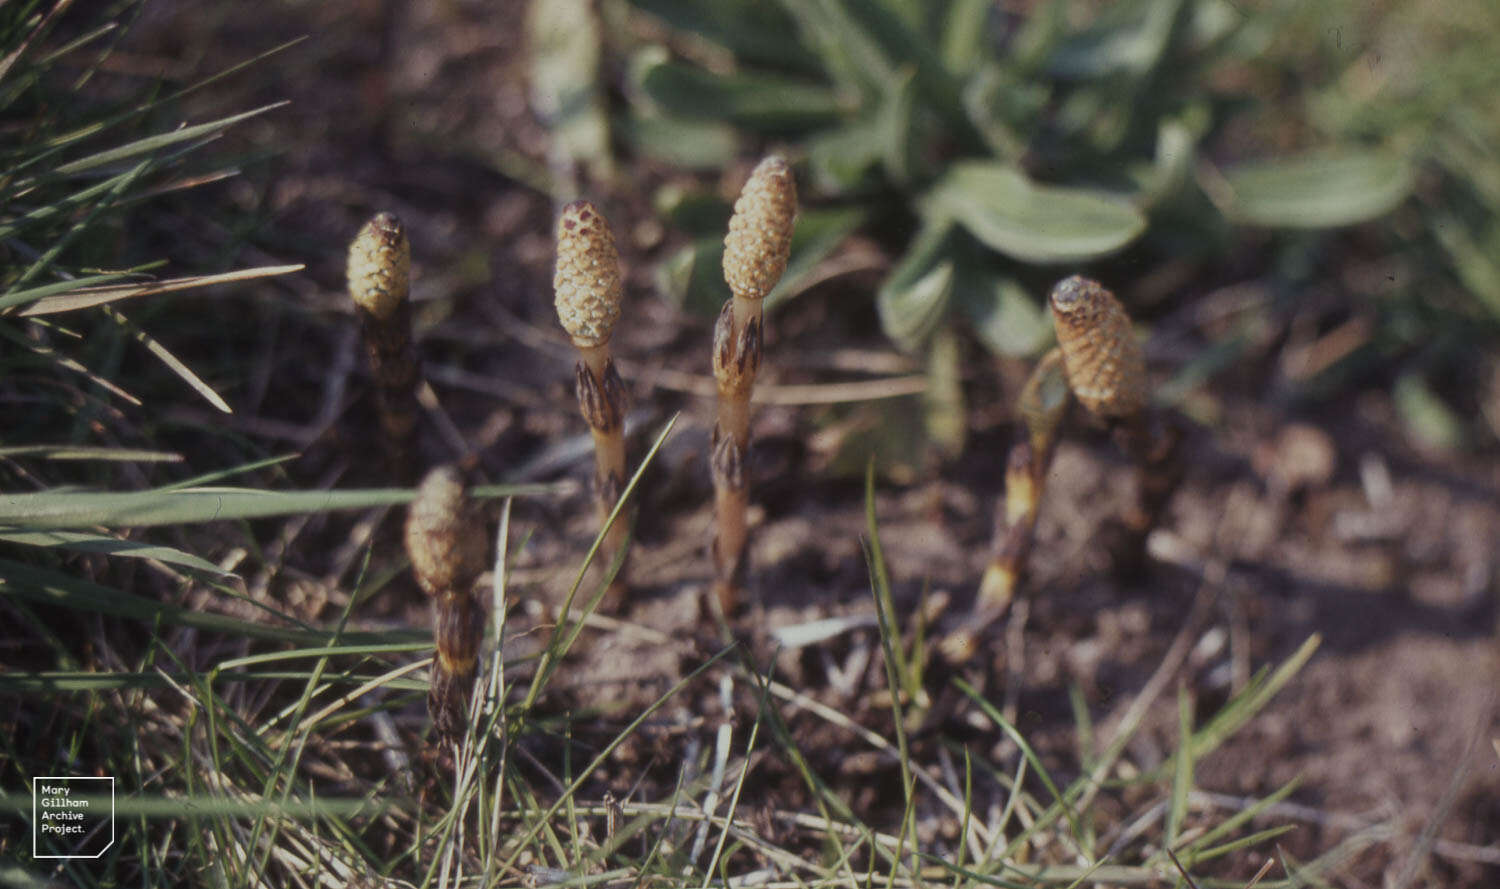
[1105, 366]
[586, 282]
[445, 541]
[380, 265]
[760, 232]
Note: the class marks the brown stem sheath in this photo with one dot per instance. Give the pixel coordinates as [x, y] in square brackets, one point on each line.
[588, 291]
[446, 542]
[1042, 405]
[603, 403]
[755, 255]
[1152, 441]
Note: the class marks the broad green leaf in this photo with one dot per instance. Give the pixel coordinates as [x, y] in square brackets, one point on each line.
[696, 211]
[890, 432]
[1322, 191]
[1039, 35]
[1096, 116]
[1430, 420]
[1211, 23]
[758, 101]
[564, 75]
[755, 31]
[896, 30]
[85, 542]
[1000, 105]
[1173, 166]
[1475, 264]
[139, 509]
[1034, 223]
[1129, 38]
[840, 160]
[943, 413]
[817, 235]
[685, 144]
[909, 315]
[693, 277]
[898, 128]
[965, 35]
[851, 55]
[914, 297]
[1008, 320]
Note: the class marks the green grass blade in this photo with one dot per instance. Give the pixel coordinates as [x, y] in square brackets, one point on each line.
[1182, 779]
[562, 640]
[161, 140]
[141, 509]
[85, 542]
[1233, 822]
[1026, 751]
[87, 452]
[1251, 701]
[72, 593]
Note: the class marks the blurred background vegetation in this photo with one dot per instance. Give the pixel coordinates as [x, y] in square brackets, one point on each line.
[1173, 148]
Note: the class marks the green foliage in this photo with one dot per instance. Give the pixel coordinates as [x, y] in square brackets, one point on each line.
[1424, 80]
[993, 154]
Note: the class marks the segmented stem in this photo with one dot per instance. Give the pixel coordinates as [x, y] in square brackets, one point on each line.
[379, 284]
[755, 255]
[1042, 405]
[588, 292]
[446, 542]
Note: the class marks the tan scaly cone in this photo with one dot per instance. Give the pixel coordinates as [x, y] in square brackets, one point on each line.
[1106, 370]
[446, 541]
[379, 272]
[588, 292]
[755, 256]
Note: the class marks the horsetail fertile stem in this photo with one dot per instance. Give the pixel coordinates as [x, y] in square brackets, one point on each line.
[379, 282]
[1107, 371]
[1042, 406]
[1105, 365]
[755, 255]
[588, 291]
[446, 542]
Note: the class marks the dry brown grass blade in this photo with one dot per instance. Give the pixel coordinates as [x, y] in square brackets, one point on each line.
[87, 297]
